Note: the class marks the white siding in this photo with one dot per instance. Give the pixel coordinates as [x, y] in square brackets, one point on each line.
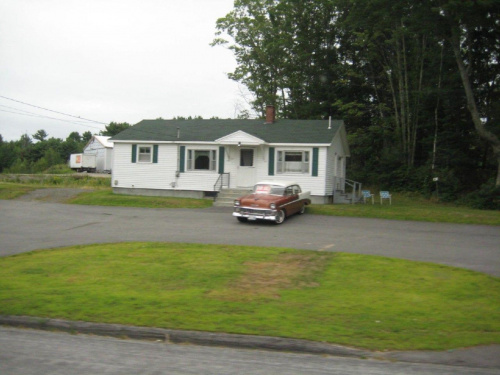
[261, 164]
[336, 165]
[330, 168]
[144, 175]
[198, 180]
[104, 155]
[163, 175]
[308, 182]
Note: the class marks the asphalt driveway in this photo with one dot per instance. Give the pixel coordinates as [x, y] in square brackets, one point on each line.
[30, 225]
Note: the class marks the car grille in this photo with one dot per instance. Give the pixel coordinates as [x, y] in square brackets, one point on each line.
[256, 212]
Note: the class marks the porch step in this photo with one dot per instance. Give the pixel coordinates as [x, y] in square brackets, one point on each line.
[342, 198]
[226, 197]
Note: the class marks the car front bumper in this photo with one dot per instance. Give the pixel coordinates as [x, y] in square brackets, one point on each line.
[255, 214]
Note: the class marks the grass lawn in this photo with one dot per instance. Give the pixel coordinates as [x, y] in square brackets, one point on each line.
[363, 301]
[12, 190]
[107, 198]
[103, 196]
[404, 207]
[411, 207]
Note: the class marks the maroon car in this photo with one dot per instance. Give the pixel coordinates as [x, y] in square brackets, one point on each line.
[271, 200]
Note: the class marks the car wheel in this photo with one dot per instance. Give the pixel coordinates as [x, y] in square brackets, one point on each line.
[280, 217]
[242, 219]
[302, 209]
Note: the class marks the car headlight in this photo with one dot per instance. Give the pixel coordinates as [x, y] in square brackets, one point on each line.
[236, 202]
[272, 206]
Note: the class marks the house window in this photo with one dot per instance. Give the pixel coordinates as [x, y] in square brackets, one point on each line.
[145, 154]
[293, 162]
[246, 157]
[202, 160]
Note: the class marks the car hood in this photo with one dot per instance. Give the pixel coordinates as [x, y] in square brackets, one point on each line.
[259, 200]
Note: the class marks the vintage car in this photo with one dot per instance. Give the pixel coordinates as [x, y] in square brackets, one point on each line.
[271, 200]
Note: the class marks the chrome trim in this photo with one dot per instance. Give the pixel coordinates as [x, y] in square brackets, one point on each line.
[286, 204]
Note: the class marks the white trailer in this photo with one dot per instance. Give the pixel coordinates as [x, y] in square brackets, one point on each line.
[82, 162]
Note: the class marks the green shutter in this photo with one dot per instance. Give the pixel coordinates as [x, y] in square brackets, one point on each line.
[155, 153]
[315, 161]
[182, 158]
[271, 161]
[221, 159]
[134, 153]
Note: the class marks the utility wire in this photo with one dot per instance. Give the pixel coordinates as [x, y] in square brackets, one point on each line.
[31, 114]
[50, 110]
[23, 112]
[52, 118]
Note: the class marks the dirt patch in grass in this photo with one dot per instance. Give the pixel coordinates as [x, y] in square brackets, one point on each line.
[265, 279]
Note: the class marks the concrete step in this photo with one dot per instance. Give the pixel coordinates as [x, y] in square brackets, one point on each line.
[342, 198]
[226, 197]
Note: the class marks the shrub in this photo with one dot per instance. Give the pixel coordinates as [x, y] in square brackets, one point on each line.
[58, 169]
[486, 198]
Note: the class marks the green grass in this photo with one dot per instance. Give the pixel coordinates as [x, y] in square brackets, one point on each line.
[12, 190]
[411, 207]
[100, 194]
[404, 206]
[60, 180]
[107, 198]
[364, 301]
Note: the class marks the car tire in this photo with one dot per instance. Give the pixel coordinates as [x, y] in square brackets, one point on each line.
[242, 219]
[280, 217]
[302, 209]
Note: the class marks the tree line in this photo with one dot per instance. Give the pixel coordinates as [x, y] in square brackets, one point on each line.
[415, 81]
[38, 153]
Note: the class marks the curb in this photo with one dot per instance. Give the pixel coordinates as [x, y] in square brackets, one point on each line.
[184, 337]
[476, 357]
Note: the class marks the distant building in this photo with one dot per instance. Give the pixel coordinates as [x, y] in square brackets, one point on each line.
[102, 148]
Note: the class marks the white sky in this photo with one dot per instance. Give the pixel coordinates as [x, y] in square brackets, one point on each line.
[112, 60]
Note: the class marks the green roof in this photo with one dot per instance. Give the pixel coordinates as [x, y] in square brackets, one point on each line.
[281, 131]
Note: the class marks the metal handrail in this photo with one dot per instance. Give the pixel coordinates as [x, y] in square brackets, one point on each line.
[356, 189]
[219, 184]
[354, 185]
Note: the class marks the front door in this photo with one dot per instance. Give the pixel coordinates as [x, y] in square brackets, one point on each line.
[246, 169]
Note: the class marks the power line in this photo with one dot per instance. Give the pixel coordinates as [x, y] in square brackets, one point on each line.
[36, 114]
[32, 114]
[50, 110]
[52, 118]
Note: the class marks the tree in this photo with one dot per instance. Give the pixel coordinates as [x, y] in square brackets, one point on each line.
[188, 118]
[86, 137]
[472, 29]
[258, 47]
[40, 135]
[114, 128]
[25, 141]
[389, 69]
[74, 137]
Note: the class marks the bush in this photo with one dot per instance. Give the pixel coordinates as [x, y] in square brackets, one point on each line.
[486, 198]
[19, 167]
[59, 169]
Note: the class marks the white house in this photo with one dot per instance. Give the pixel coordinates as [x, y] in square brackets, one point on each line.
[102, 148]
[199, 158]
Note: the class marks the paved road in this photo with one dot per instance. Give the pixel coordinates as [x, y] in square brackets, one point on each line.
[34, 225]
[39, 352]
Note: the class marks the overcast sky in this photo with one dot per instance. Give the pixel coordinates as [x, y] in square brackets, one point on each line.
[111, 60]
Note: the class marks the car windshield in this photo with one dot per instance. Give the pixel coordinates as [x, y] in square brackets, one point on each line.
[268, 189]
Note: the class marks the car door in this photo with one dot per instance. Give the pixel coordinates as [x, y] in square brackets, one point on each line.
[293, 204]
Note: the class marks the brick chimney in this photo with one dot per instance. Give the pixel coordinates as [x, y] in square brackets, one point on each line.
[270, 114]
